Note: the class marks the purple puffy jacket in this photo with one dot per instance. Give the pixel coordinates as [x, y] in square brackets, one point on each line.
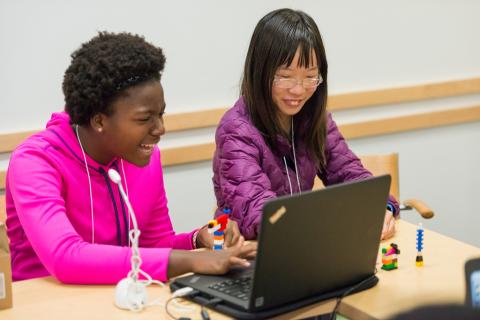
[247, 172]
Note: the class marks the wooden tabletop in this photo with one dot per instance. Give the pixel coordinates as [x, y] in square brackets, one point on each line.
[441, 279]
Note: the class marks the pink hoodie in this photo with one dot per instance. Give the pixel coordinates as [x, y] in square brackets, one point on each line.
[49, 217]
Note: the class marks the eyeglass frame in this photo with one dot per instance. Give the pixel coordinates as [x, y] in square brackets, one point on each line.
[294, 82]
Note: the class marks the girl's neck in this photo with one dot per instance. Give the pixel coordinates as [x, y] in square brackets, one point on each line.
[92, 145]
[285, 123]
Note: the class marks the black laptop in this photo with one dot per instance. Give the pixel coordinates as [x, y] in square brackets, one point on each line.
[312, 246]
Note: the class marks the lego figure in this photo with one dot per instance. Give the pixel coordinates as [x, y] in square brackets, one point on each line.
[217, 227]
[389, 257]
[419, 259]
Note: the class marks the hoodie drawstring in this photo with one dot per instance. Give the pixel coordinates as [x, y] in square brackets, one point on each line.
[124, 213]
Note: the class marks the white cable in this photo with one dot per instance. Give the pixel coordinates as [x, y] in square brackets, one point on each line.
[126, 189]
[295, 158]
[132, 295]
[124, 176]
[295, 164]
[288, 176]
[183, 308]
[182, 292]
[133, 234]
[89, 184]
[178, 294]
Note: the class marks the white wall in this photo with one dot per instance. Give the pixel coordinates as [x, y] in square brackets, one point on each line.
[370, 45]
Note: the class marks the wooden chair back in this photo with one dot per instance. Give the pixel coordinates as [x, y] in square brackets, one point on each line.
[378, 165]
[3, 209]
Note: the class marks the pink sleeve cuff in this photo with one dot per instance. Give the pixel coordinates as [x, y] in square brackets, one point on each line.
[184, 241]
[155, 262]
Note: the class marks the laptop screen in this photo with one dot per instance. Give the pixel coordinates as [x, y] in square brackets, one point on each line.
[319, 241]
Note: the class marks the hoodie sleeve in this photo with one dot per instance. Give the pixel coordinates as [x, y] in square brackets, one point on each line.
[242, 185]
[36, 187]
[159, 230]
[342, 164]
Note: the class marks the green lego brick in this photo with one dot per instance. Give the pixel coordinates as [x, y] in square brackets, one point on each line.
[389, 267]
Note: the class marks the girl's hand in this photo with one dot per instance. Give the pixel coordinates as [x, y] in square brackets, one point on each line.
[388, 226]
[220, 261]
[211, 261]
[232, 234]
[204, 239]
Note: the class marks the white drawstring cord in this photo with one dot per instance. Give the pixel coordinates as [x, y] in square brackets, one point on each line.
[89, 184]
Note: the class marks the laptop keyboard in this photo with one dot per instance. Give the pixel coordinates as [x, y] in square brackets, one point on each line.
[238, 288]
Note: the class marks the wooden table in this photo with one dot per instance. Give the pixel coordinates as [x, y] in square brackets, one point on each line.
[440, 280]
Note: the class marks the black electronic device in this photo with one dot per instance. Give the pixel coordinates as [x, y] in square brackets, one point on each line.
[472, 275]
[312, 246]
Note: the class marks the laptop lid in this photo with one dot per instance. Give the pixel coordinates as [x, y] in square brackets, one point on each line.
[310, 244]
[319, 241]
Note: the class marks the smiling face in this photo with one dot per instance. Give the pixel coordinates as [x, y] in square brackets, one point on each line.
[136, 123]
[289, 101]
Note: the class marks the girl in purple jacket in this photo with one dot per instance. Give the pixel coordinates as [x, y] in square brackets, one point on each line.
[65, 217]
[278, 136]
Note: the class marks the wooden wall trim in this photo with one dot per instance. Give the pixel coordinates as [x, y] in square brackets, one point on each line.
[173, 122]
[410, 122]
[9, 141]
[193, 120]
[209, 118]
[420, 92]
[203, 152]
[352, 100]
[187, 154]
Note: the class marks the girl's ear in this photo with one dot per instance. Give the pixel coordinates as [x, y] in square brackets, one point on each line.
[97, 122]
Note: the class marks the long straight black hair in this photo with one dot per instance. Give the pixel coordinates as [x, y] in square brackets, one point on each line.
[274, 43]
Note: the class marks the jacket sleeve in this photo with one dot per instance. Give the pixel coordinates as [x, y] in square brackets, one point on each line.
[159, 230]
[242, 185]
[342, 164]
[36, 187]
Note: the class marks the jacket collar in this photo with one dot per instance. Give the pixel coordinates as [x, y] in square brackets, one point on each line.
[61, 134]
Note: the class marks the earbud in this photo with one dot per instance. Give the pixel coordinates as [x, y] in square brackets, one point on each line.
[130, 295]
[114, 176]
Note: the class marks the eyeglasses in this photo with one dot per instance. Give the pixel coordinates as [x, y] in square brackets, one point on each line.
[289, 83]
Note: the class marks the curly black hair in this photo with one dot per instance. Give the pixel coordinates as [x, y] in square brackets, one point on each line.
[102, 68]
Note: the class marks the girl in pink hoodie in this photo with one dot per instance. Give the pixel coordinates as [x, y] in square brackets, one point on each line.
[65, 217]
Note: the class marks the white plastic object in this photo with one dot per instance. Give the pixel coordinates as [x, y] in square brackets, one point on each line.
[130, 295]
[182, 292]
[114, 176]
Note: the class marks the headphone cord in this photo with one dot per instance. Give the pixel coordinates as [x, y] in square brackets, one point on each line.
[203, 312]
[348, 291]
